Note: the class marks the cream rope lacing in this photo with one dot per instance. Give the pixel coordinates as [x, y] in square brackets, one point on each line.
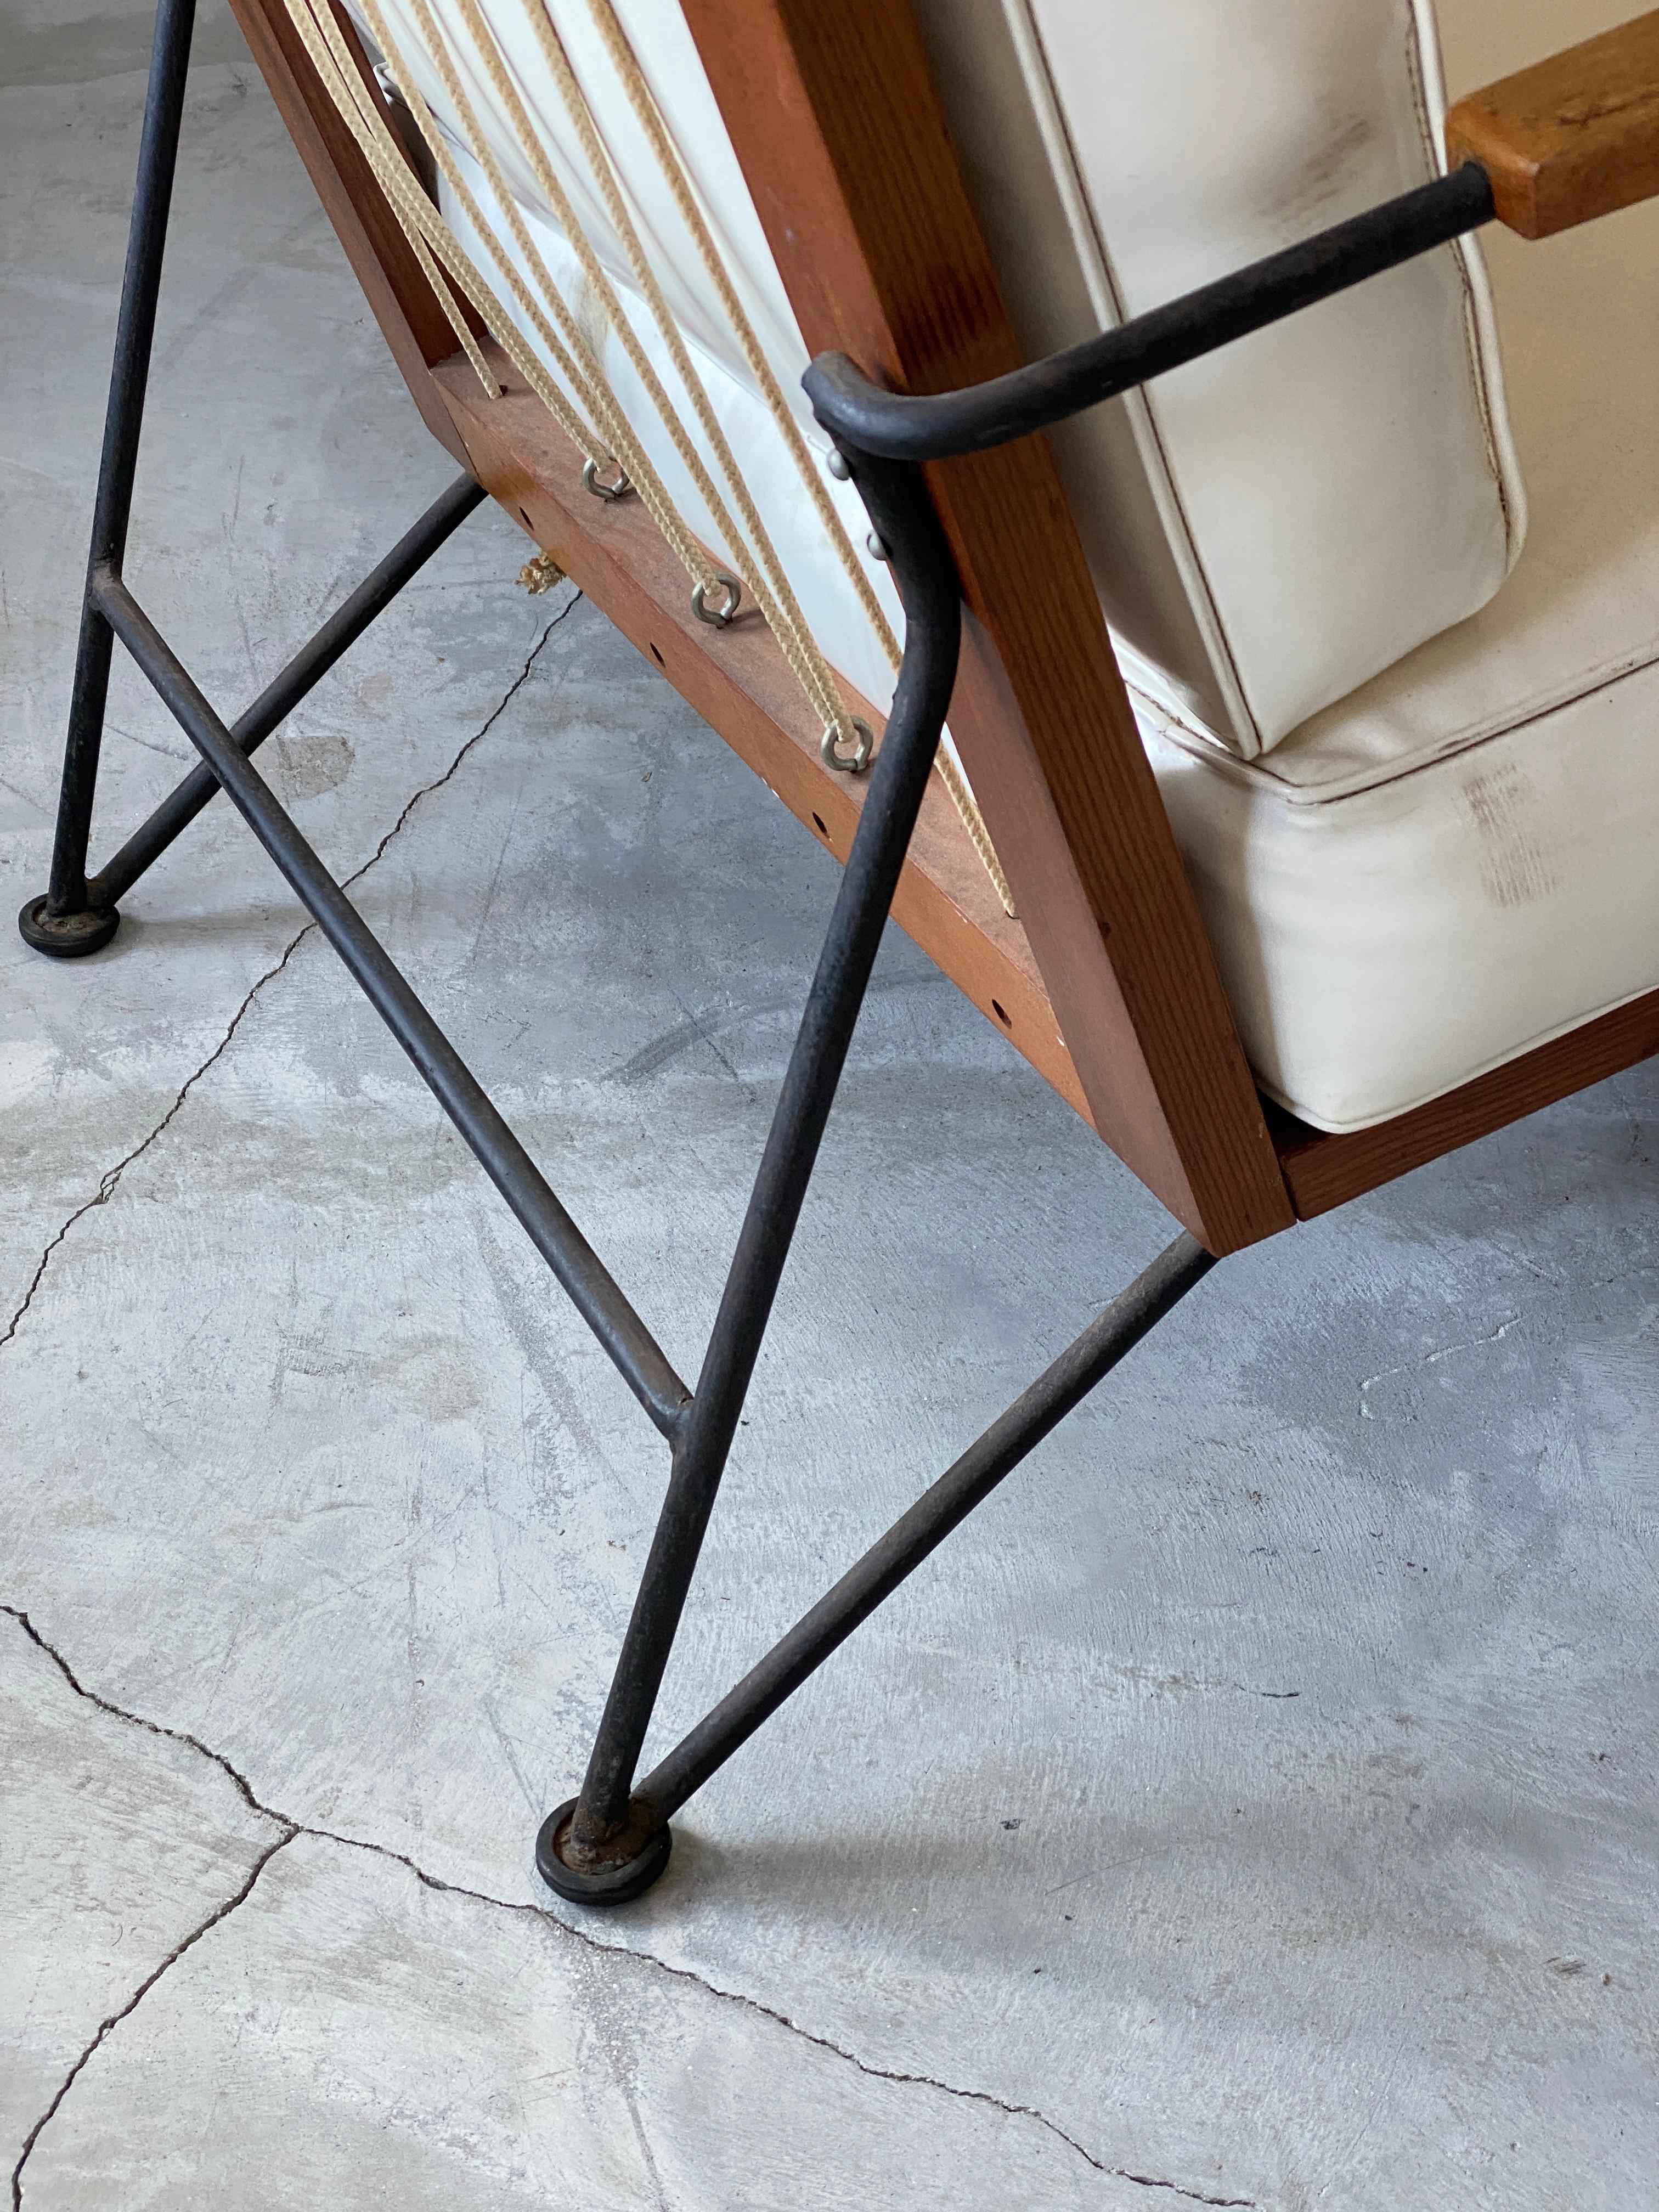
[777, 596]
[764, 579]
[626, 63]
[325, 43]
[429, 236]
[433, 243]
[575, 356]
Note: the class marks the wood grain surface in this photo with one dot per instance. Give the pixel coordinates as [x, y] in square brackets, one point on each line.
[1573, 137]
[739, 680]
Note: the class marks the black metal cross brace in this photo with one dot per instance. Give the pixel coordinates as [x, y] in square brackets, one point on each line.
[613, 1840]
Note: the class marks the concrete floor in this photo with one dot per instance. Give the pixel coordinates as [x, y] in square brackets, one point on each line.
[1254, 1805]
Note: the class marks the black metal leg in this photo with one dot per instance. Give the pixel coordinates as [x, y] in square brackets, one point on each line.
[66, 922]
[78, 914]
[896, 1555]
[613, 1841]
[608, 1848]
[629, 1344]
[866, 1585]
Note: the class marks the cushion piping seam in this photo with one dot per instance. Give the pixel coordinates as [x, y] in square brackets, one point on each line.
[1223, 644]
[1434, 149]
[1255, 773]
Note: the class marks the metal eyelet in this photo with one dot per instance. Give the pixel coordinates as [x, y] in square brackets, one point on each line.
[858, 760]
[836, 463]
[875, 546]
[717, 617]
[619, 490]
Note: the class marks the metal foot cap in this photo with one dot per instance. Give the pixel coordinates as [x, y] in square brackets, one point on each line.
[67, 936]
[610, 1885]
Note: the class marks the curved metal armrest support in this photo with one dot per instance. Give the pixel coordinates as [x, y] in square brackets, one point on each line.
[897, 426]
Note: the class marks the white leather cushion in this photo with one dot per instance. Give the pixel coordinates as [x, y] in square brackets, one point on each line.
[1272, 526]
[1462, 860]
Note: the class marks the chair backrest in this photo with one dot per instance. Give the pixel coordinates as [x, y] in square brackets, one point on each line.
[1106, 982]
[1269, 528]
[810, 152]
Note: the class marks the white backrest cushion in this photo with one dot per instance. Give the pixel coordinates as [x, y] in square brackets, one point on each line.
[1272, 526]
[1268, 527]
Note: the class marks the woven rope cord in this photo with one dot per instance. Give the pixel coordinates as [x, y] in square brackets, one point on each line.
[449, 267]
[588, 396]
[626, 63]
[338, 69]
[351, 97]
[779, 609]
[571, 350]
[788, 623]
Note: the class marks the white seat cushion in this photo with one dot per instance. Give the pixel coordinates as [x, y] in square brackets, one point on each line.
[1462, 860]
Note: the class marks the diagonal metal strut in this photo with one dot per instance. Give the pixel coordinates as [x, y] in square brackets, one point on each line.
[895, 1557]
[284, 692]
[900, 510]
[641, 1361]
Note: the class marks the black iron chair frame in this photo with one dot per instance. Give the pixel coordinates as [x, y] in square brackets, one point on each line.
[613, 1840]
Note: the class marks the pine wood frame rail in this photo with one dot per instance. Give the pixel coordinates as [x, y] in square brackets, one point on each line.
[889, 277]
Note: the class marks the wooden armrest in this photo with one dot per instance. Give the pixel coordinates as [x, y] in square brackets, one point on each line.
[1575, 137]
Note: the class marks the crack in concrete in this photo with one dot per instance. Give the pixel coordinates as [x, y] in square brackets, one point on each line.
[294, 1827]
[478, 737]
[1433, 1358]
[113, 2020]
[713, 1022]
[110, 1181]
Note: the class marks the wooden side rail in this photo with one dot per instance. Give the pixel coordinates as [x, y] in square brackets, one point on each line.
[1572, 138]
[841, 138]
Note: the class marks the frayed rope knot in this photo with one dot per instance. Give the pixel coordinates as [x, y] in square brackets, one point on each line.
[541, 573]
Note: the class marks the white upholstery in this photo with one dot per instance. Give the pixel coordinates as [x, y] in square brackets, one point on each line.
[1272, 526]
[1420, 818]
[1462, 859]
